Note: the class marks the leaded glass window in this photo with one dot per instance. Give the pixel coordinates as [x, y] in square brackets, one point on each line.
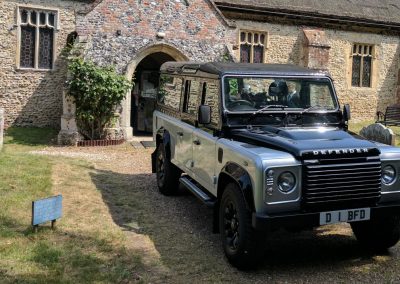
[245, 50]
[252, 47]
[362, 65]
[27, 53]
[36, 43]
[46, 48]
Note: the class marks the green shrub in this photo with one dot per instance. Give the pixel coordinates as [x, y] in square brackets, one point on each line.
[97, 92]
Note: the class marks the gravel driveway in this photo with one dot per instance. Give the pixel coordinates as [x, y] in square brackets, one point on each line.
[180, 229]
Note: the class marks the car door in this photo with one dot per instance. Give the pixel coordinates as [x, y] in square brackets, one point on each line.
[204, 140]
[184, 139]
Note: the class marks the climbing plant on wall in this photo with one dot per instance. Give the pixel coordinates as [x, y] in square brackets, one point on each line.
[97, 92]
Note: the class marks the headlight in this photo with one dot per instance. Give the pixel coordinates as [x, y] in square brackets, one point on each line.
[286, 182]
[388, 175]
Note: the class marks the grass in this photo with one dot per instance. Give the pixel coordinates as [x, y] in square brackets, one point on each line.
[30, 136]
[356, 128]
[86, 247]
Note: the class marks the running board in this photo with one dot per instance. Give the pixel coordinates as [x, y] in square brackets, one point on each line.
[197, 191]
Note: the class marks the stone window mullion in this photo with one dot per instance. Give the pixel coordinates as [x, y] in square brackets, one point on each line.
[361, 64]
[37, 38]
[252, 48]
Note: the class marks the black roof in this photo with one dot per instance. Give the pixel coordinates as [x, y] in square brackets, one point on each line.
[220, 69]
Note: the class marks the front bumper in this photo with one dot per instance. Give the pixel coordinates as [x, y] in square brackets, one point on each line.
[307, 220]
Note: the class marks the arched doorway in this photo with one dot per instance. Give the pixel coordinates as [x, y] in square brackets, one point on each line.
[138, 107]
[144, 93]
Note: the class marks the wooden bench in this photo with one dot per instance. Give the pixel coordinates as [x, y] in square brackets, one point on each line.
[390, 117]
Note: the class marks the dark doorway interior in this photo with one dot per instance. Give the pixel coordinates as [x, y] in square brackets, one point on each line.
[144, 93]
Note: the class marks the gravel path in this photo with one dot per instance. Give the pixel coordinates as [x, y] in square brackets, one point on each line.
[180, 230]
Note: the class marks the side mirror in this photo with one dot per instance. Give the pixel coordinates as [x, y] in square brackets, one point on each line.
[204, 114]
[346, 112]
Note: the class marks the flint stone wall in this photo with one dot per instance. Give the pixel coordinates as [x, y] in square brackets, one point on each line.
[33, 97]
[117, 30]
[379, 133]
[1, 127]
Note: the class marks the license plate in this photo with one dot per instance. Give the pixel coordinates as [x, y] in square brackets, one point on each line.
[351, 215]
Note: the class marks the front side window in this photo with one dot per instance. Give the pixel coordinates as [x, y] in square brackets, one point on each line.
[252, 47]
[272, 94]
[210, 97]
[361, 65]
[36, 42]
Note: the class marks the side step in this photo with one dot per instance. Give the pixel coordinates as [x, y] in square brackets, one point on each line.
[197, 191]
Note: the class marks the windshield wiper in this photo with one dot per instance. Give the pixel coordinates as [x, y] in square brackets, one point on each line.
[308, 110]
[314, 108]
[261, 110]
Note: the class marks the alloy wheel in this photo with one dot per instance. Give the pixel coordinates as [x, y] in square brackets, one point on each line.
[231, 224]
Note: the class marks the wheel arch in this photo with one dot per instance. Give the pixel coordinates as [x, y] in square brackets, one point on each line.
[164, 137]
[233, 173]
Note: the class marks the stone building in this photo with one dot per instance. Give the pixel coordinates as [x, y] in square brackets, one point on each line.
[32, 71]
[356, 41]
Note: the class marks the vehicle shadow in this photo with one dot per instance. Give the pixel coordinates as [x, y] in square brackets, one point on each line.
[181, 229]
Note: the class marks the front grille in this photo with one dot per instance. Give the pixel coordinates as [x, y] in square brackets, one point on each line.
[331, 184]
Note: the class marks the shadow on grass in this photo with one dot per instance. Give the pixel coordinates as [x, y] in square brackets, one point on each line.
[30, 136]
[57, 256]
[180, 227]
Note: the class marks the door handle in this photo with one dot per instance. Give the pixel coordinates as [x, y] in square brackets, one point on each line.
[180, 134]
[197, 142]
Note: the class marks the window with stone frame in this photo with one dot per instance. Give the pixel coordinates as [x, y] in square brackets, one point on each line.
[362, 59]
[36, 38]
[252, 46]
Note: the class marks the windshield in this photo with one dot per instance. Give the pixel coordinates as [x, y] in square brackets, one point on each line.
[272, 94]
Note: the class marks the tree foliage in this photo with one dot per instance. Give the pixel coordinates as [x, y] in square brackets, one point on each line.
[97, 92]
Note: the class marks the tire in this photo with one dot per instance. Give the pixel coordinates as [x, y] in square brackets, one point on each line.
[243, 246]
[377, 234]
[167, 173]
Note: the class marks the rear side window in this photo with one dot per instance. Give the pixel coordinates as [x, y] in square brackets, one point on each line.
[169, 93]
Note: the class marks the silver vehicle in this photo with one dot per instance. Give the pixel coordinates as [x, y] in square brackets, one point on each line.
[268, 147]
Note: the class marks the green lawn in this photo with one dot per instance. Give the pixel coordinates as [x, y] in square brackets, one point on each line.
[81, 249]
[23, 176]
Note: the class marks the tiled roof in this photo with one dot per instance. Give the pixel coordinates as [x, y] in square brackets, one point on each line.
[384, 11]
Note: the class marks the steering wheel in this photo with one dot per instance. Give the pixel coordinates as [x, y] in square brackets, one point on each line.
[240, 103]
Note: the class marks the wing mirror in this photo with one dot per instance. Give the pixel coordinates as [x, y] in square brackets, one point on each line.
[346, 112]
[204, 114]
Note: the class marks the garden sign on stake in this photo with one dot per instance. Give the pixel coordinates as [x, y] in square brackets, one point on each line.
[45, 210]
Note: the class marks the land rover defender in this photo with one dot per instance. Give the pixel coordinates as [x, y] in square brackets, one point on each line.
[268, 147]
